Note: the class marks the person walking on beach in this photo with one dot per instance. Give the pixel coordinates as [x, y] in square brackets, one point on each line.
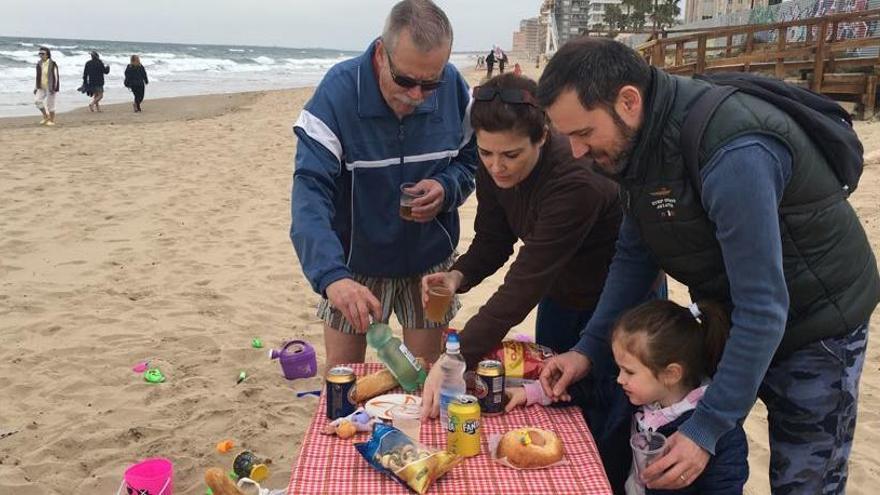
[490, 64]
[391, 120]
[136, 80]
[47, 86]
[93, 80]
[502, 61]
[764, 227]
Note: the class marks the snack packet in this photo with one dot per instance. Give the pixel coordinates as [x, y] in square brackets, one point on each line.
[408, 462]
[521, 360]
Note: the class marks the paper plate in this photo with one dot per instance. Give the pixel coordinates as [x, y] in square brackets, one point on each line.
[380, 406]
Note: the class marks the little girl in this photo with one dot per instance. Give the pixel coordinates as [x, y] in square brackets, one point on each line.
[666, 354]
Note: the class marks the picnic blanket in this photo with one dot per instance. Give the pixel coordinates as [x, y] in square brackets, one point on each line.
[328, 464]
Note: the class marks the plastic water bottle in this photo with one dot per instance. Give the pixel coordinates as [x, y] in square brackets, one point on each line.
[452, 366]
[397, 358]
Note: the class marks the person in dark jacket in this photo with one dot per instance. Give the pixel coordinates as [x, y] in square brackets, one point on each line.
[136, 80]
[93, 80]
[47, 86]
[530, 188]
[764, 227]
[666, 354]
[490, 63]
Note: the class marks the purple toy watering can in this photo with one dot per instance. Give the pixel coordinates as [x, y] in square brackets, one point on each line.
[297, 359]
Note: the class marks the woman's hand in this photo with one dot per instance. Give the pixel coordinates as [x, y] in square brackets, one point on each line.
[450, 280]
[431, 393]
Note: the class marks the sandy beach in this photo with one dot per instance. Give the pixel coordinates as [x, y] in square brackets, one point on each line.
[163, 236]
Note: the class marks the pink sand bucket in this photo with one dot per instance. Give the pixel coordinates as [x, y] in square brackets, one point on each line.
[148, 477]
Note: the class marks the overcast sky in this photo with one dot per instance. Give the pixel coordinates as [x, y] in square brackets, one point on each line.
[343, 24]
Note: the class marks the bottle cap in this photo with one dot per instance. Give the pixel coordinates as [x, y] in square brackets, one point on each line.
[452, 342]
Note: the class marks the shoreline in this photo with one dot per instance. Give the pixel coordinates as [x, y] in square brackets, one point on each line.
[184, 107]
[166, 109]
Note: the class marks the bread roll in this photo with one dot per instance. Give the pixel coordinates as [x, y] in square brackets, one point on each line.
[528, 448]
[376, 384]
[219, 483]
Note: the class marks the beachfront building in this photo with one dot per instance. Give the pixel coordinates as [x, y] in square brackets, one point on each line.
[531, 38]
[598, 7]
[572, 18]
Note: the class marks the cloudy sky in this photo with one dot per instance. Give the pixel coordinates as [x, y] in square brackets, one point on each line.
[343, 24]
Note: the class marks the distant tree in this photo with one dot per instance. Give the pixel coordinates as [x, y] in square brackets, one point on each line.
[635, 11]
[665, 13]
[615, 18]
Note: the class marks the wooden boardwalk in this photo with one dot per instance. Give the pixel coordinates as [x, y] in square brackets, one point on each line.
[812, 52]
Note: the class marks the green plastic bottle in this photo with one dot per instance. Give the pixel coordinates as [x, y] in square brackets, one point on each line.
[396, 356]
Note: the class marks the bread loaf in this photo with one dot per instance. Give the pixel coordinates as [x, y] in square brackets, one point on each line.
[376, 384]
[219, 483]
[529, 448]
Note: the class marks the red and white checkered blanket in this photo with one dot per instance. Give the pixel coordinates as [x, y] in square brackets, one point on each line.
[328, 464]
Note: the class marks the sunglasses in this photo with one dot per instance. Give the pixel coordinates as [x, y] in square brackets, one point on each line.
[44, 53]
[408, 82]
[511, 96]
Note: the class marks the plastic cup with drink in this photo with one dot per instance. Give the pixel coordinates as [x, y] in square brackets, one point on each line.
[408, 193]
[407, 418]
[439, 300]
[647, 446]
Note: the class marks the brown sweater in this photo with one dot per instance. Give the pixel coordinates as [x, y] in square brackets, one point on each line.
[567, 216]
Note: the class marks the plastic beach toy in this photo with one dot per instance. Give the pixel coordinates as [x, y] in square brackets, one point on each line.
[298, 359]
[225, 446]
[256, 343]
[247, 465]
[150, 476]
[141, 367]
[154, 375]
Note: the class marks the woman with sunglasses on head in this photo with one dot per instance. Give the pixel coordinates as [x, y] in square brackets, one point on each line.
[530, 188]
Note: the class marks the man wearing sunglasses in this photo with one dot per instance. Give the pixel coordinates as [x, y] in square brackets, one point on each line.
[47, 85]
[396, 114]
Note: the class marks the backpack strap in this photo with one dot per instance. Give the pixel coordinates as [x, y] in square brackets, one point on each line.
[694, 126]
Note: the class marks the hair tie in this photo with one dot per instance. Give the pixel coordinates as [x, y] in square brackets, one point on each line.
[695, 311]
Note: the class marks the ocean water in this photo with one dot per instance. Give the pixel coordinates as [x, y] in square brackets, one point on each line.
[173, 69]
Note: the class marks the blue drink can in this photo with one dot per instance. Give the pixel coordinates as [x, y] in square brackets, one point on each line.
[340, 392]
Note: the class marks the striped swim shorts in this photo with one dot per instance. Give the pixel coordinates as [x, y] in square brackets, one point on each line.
[401, 295]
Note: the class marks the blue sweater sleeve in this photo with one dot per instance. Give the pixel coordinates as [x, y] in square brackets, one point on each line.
[318, 163]
[742, 187]
[632, 273]
[457, 179]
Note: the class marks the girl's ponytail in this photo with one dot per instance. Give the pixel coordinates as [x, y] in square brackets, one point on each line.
[715, 324]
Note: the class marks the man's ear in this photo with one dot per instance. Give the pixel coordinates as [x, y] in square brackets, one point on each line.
[629, 104]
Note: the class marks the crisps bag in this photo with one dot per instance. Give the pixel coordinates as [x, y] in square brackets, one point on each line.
[408, 462]
[521, 360]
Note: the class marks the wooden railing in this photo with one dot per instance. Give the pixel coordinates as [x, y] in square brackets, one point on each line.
[816, 58]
